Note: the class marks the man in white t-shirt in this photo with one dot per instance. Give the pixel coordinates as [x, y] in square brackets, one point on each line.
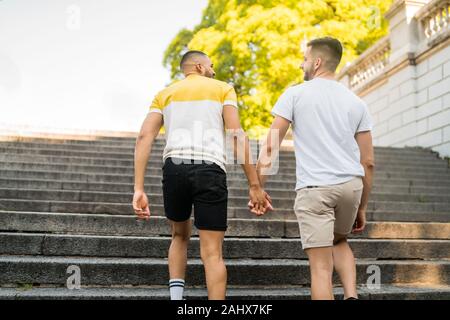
[334, 162]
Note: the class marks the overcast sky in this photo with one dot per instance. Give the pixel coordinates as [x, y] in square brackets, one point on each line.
[86, 64]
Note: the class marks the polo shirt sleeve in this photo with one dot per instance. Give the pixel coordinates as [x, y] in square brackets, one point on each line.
[230, 97]
[156, 105]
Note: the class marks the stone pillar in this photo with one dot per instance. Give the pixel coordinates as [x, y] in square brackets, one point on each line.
[403, 28]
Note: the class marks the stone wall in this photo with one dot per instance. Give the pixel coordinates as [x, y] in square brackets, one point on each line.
[409, 95]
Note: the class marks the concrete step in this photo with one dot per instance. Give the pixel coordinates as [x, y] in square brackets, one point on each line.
[409, 206]
[385, 292]
[234, 248]
[128, 225]
[157, 160]
[237, 196]
[113, 153]
[233, 181]
[377, 202]
[152, 271]
[232, 171]
[102, 140]
[130, 143]
[234, 187]
[158, 149]
[393, 211]
[285, 157]
[71, 141]
[157, 154]
[84, 146]
[408, 216]
[160, 144]
[421, 194]
[115, 225]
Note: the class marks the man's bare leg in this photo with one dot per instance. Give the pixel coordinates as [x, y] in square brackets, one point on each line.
[344, 263]
[215, 271]
[321, 266]
[181, 233]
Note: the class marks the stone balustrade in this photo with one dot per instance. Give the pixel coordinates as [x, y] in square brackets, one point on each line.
[369, 65]
[435, 20]
[405, 77]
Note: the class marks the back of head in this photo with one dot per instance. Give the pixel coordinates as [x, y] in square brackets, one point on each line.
[197, 62]
[329, 50]
[189, 57]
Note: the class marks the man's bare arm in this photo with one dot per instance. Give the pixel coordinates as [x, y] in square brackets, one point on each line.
[149, 131]
[271, 147]
[364, 140]
[241, 143]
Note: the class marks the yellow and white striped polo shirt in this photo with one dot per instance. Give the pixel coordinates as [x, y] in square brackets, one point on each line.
[192, 110]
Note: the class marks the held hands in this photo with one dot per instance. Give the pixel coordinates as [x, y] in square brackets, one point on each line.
[140, 205]
[260, 202]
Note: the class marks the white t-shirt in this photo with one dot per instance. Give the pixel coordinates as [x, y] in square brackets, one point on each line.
[325, 117]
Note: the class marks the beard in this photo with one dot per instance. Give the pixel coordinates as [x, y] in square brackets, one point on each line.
[210, 75]
[307, 75]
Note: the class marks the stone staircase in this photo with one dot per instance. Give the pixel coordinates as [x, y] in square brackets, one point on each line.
[65, 203]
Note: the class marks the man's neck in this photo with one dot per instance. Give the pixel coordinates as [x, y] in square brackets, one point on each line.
[326, 75]
[191, 74]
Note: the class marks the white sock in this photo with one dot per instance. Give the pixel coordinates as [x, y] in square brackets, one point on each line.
[176, 287]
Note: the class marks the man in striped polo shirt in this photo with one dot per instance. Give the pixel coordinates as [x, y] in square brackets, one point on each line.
[195, 112]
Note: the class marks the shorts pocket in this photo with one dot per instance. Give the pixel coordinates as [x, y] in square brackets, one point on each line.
[171, 178]
[170, 182]
[357, 188]
[210, 186]
[357, 196]
[310, 200]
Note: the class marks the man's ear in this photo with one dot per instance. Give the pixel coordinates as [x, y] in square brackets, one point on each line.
[199, 68]
[318, 63]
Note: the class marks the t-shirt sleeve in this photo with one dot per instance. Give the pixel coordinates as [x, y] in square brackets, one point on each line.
[366, 123]
[284, 106]
[230, 97]
[156, 105]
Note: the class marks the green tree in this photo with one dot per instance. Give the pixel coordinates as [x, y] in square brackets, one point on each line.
[255, 44]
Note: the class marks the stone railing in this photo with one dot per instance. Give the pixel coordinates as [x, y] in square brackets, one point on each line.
[424, 26]
[435, 21]
[369, 65]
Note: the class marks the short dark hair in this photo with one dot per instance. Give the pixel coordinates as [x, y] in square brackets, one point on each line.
[331, 47]
[190, 54]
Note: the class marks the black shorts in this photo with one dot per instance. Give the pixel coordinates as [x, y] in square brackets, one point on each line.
[202, 185]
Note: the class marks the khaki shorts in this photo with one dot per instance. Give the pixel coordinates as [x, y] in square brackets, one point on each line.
[326, 210]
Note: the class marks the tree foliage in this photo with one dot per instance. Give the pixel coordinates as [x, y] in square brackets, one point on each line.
[256, 44]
